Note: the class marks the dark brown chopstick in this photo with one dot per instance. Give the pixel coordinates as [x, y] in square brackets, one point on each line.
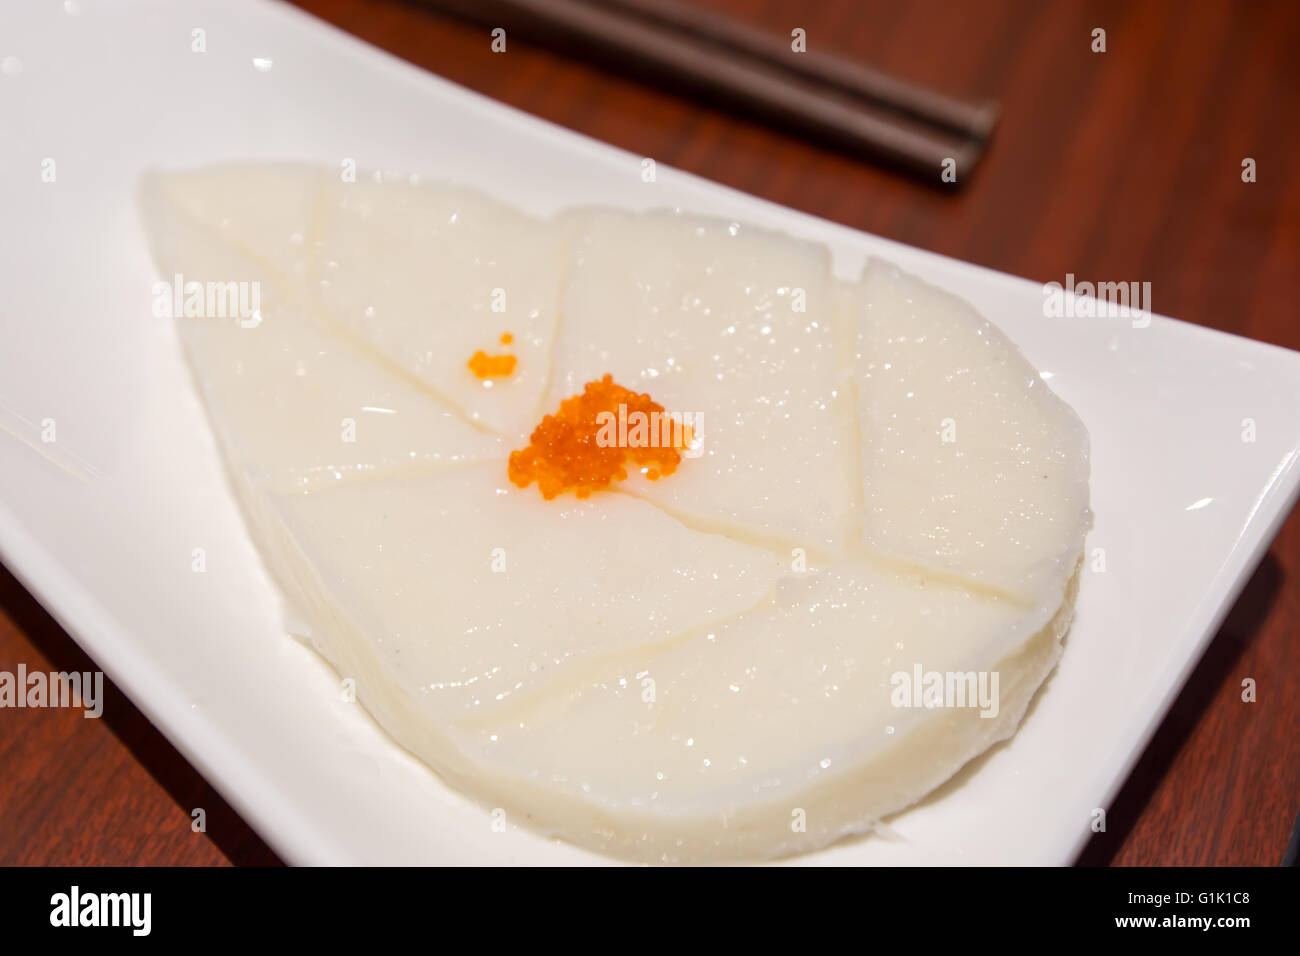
[972, 119]
[853, 108]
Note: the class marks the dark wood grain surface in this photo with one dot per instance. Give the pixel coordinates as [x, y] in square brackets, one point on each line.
[1124, 164]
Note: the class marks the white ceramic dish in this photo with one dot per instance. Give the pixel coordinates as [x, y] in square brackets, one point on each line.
[101, 524]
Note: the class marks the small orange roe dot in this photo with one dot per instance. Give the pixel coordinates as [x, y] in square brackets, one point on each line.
[491, 366]
[506, 338]
[571, 450]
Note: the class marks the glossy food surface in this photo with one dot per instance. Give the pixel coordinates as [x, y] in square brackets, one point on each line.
[704, 666]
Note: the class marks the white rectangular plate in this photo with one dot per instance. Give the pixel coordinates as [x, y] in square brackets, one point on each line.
[101, 523]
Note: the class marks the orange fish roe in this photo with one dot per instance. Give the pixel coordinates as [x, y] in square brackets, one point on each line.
[506, 338]
[491, 366]
[566, 451]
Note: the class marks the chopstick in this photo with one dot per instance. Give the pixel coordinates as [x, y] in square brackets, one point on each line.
[851, 107]
[971, 119]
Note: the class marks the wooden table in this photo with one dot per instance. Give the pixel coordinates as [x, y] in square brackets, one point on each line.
[1124, 164]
